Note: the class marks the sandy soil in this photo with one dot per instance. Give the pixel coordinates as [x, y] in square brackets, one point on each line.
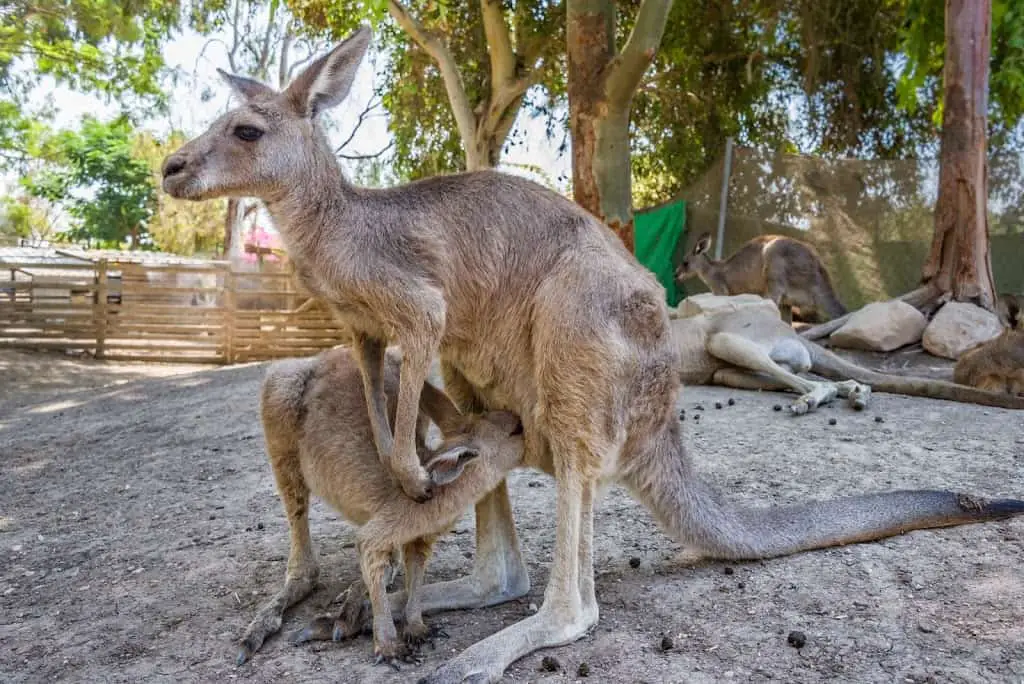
[139, 531]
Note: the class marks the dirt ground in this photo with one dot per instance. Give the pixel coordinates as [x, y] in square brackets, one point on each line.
[139, 531]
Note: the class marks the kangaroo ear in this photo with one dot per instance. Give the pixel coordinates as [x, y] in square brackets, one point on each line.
[448, 465]
[326, 81]
[703, 243]
[248, 89]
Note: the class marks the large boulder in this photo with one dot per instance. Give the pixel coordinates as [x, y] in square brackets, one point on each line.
[707, 303]
[881, 326]
[959, 326]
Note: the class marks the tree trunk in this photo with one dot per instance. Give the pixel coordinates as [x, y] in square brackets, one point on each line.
[959, 262]
[229, 226]
[601, 85]
[600, 142]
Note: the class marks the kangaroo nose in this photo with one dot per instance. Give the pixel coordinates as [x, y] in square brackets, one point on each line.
[173, 164]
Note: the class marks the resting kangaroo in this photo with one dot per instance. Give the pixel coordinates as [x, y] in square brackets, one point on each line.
[784, 270]
[741, 342]
[319, 440]
[997, 365]
[537, 308]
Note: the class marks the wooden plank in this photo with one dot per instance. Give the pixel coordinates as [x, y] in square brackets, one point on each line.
[211, 359]
[229, 316]
[157, 346]
[45, 344]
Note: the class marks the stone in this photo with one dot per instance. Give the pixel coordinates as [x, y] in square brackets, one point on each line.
[959, 326]
[706, 302]
[881, 326]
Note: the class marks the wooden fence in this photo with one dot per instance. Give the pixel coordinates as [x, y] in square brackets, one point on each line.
[180, 313]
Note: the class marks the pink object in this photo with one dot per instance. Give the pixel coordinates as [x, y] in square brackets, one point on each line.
[257, 240]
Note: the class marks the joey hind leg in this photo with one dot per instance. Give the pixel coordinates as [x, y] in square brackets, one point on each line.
[302, 566]
[416, 554]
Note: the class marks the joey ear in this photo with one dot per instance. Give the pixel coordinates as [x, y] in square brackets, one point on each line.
[448, 465]
[703, 243]
[248, 89]
[326, 81]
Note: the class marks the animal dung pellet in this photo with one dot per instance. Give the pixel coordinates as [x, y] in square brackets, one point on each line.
[718, 404]
[667, 644]
[832, 421]
[634, 562]
[728, 570]
[879, 419]
[731, 402]
[699, 407]
[777, 407]
[796, 639]
[583, 670]
[550, 664]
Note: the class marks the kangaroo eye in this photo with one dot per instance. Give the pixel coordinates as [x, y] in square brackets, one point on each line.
[248, 133]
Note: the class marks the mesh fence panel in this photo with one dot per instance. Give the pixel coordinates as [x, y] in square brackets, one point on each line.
[871, 221]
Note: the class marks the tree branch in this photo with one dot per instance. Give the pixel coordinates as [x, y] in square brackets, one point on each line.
[357, 157]
[456, 89]
[627, 68]
[363, 115]
[499, 43]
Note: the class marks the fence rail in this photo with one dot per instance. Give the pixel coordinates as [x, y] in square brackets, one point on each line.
[180, 313]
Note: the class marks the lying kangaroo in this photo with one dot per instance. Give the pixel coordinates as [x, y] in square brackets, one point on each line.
[786, 271]
[536, 307]
[741, 342]
[319, 439]
[997, 365]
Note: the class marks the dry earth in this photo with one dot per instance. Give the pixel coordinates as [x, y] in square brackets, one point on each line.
[139, 531]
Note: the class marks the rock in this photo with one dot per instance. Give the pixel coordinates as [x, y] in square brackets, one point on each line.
[710, 303]
[881, 326]
[959, 326]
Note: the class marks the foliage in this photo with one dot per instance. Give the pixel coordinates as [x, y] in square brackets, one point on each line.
[100, 46]
[23, 217]
[411, 88]
[107, 192]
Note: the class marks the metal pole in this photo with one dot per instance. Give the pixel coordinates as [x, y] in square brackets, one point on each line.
[723, 200]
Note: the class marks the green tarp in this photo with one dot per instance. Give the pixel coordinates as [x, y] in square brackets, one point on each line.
[656, 233]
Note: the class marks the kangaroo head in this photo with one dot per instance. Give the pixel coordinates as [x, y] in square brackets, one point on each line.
[270, 142]
[496, 436]
[1008, 308]
[696, 259]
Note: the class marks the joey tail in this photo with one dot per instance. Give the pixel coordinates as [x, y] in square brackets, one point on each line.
[694, 515]
[835, 367]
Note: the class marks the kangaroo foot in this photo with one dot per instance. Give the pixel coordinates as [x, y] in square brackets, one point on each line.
[822, 393]
[417, 634]
[857, 394]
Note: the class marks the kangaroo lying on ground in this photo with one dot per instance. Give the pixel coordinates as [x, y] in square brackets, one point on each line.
[535, 307]
[319, 440]
[997, 365]
[741, 342]
[786, 271]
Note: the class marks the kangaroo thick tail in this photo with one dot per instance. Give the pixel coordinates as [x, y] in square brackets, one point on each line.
[696, 517]
[835, 367]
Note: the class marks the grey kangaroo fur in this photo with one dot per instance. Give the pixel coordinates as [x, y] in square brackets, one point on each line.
[787, 271]
[534, 307]
[319, 440]
[741, 342]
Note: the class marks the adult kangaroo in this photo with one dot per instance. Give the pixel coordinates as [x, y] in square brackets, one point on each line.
[535, 307]
[787, 271]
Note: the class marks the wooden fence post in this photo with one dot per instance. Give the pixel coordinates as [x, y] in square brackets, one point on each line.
[100, 308]
[229, 315]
